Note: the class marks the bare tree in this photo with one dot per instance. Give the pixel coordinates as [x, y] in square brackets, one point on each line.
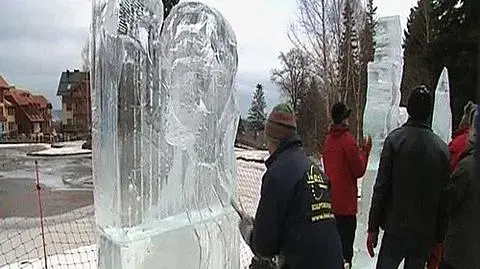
[292, 76]
[317, 32]
[311, 120]
[314, 35]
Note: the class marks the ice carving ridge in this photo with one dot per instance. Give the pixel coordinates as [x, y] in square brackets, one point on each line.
[164, 124]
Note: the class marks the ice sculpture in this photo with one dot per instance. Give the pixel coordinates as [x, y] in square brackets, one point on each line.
[442, 114]
[199, 63]
[163, 133]
[382, 115]
[402, 116]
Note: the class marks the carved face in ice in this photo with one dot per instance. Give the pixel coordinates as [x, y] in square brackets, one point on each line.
[199, 62]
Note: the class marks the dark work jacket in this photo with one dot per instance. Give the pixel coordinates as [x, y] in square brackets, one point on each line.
[294, 216]
[410, 193]
[460, 246]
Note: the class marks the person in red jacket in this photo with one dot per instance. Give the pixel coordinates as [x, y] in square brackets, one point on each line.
[456, 147]
[344, 162]
[459, 141]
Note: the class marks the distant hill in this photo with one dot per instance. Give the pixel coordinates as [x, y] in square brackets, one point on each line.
[56, 114]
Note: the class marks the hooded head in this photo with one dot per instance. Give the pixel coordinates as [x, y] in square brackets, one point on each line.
[340, 112]
[281, 124]
[473, 132]
[419, 105]
[467, 118]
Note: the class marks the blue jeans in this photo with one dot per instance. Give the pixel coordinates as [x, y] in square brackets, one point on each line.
[394, 249]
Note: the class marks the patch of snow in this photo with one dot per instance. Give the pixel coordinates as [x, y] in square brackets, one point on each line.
[81, 258]
[252, 155]
[68, 148]
[22, 145]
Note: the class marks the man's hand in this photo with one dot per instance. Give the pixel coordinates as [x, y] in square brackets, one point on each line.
[246, 228]
[367, 144]
[372, 240]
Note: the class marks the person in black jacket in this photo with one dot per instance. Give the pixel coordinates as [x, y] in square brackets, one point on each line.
[410, 193]
[294, 218]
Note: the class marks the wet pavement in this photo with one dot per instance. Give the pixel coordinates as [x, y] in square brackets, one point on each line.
[62, 180]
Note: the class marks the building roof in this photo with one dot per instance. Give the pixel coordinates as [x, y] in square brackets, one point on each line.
[25, 100]
[3, 82]
[8, 104]
[69, 80]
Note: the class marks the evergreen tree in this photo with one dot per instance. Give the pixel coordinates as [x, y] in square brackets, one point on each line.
[456, 47]
[256, 113]
[349, 65]
[442, 33]
[311, 120]
[419, 67]
[241, 127]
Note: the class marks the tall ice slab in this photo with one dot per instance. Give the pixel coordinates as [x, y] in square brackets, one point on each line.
[382, 115]
[164, 123]
[442, 114]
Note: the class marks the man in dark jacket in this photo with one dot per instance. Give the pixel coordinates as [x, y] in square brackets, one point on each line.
[460, 246]
[294, 217]
[408, 197]
[345, 162]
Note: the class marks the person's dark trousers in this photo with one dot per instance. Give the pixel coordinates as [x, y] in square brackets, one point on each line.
[347, 225]
[394, 249]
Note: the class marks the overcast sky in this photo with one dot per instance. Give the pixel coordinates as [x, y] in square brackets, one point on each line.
[40, 39]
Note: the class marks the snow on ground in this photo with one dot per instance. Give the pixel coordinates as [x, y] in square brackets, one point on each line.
[251, 155]
[79, 258]
[70, 239]
[67, 148]
[24, 145]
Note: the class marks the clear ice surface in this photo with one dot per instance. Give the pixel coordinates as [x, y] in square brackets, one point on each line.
[382, 115]
[402, 116]
[164, 124]
[442, 114]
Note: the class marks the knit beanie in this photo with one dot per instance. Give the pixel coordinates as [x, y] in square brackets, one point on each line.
[281, 123]
[340, 112]
[419, 105]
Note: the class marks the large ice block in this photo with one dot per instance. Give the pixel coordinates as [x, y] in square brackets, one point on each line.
[165, 119]
[442, 114]
[382, 115]
[125, 102]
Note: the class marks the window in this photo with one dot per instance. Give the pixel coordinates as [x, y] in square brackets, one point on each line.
[11, 126]
[70, 122]
[11, 111]
[69, 106]
[1, 110]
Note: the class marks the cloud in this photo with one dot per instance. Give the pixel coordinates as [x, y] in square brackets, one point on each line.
[246, 83]
[40, 39]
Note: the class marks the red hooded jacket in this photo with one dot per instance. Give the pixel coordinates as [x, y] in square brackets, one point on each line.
[344, 163]
[457, 146]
